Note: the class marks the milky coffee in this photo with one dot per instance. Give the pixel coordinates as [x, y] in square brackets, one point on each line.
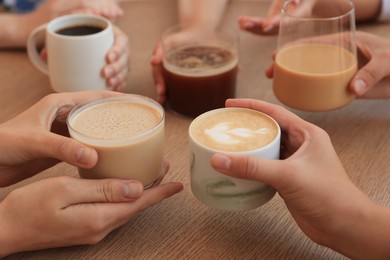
[128, 134]
[236, 131]
[314, 77]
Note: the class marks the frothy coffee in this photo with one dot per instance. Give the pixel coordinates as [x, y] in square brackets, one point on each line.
[200, 60]
[128, 134]
[234, 130]
[116, 120]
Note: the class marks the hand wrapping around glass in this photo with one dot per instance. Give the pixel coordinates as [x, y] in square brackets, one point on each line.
[373, 78]
[317, 191]
[72, 211]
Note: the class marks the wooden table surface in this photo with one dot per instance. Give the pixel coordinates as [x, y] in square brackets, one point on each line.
[181, 227]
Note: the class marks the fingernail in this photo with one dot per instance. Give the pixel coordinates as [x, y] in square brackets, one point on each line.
[268, 27]
[132, 190]
[85, 156]
[112, 57]
[359, 86]
[222, 162]
[249, 25]
[108, 71]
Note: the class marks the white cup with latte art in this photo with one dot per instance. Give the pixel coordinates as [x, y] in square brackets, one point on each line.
[238, 131]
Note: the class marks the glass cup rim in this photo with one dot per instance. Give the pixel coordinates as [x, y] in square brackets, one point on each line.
[332, 18]
[115, 141]
[272, 143]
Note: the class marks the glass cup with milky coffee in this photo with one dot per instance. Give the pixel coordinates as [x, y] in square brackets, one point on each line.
[316, 57]
[199, 68]
[238, 131]
[128, 134]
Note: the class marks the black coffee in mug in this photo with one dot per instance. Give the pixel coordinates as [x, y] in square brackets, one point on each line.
[79, 30]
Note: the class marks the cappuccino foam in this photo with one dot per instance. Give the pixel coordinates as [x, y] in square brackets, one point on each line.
[200, 60]
[116, 120]
[234, 129]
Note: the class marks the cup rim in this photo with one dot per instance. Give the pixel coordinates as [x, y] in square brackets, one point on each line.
[102, 142]
[53, 26]
[272, 143]
[351, 11]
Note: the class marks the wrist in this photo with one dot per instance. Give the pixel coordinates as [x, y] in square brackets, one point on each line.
[363, 231]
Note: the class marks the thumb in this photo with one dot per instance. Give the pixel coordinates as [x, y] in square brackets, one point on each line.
[367, 77]
[250, 168]
[64, 149]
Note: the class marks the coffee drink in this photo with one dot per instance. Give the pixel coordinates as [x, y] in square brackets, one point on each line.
[127, 133]
[77, 45]
[199, 77]
[235, 131]
[80, 30]
[314, 77]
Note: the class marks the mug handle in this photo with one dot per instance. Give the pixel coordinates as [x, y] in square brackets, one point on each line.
[35, 58]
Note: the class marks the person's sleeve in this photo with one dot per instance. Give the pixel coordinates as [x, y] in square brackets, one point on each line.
[385, 11]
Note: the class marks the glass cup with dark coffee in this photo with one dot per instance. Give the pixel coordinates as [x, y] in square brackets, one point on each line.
[200, 68]
[76, 45]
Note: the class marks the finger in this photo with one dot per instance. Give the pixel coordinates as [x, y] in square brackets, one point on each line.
[368, 77]
[157, 70]
[250, 168]
[80, 191]
[287, 120]
[269, 72]
[62, 148]
[119, 213]
[261, 26]
[121, 45]
[118, 74]
[156, 194]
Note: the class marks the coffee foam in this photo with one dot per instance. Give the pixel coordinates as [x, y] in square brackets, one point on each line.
[234, 130]
[115, 120]
[186, 61]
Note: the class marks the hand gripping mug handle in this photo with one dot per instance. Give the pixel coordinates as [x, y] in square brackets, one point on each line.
[35, 58]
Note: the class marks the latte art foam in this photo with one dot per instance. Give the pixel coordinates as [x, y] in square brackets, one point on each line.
[234, 130]
[225, 134]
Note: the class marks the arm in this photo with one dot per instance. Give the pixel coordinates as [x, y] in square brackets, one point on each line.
[365, 10]
[201, 13]
[317, 191]
[17, 27]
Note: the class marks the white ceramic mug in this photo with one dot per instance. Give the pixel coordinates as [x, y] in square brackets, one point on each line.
[238, 131]
[74, 62]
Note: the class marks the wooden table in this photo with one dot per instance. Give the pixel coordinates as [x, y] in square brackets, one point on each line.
[181, 227]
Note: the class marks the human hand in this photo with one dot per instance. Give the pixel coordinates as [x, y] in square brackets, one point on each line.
[37, 138]
[117, 69]
[269, 25]
[310, 178]
[157, 58]
[54, 8]
[67, 211]
[373, 78]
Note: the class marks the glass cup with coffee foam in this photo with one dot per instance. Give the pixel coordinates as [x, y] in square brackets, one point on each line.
[237, 131]
[200, 68]
[128, 134]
